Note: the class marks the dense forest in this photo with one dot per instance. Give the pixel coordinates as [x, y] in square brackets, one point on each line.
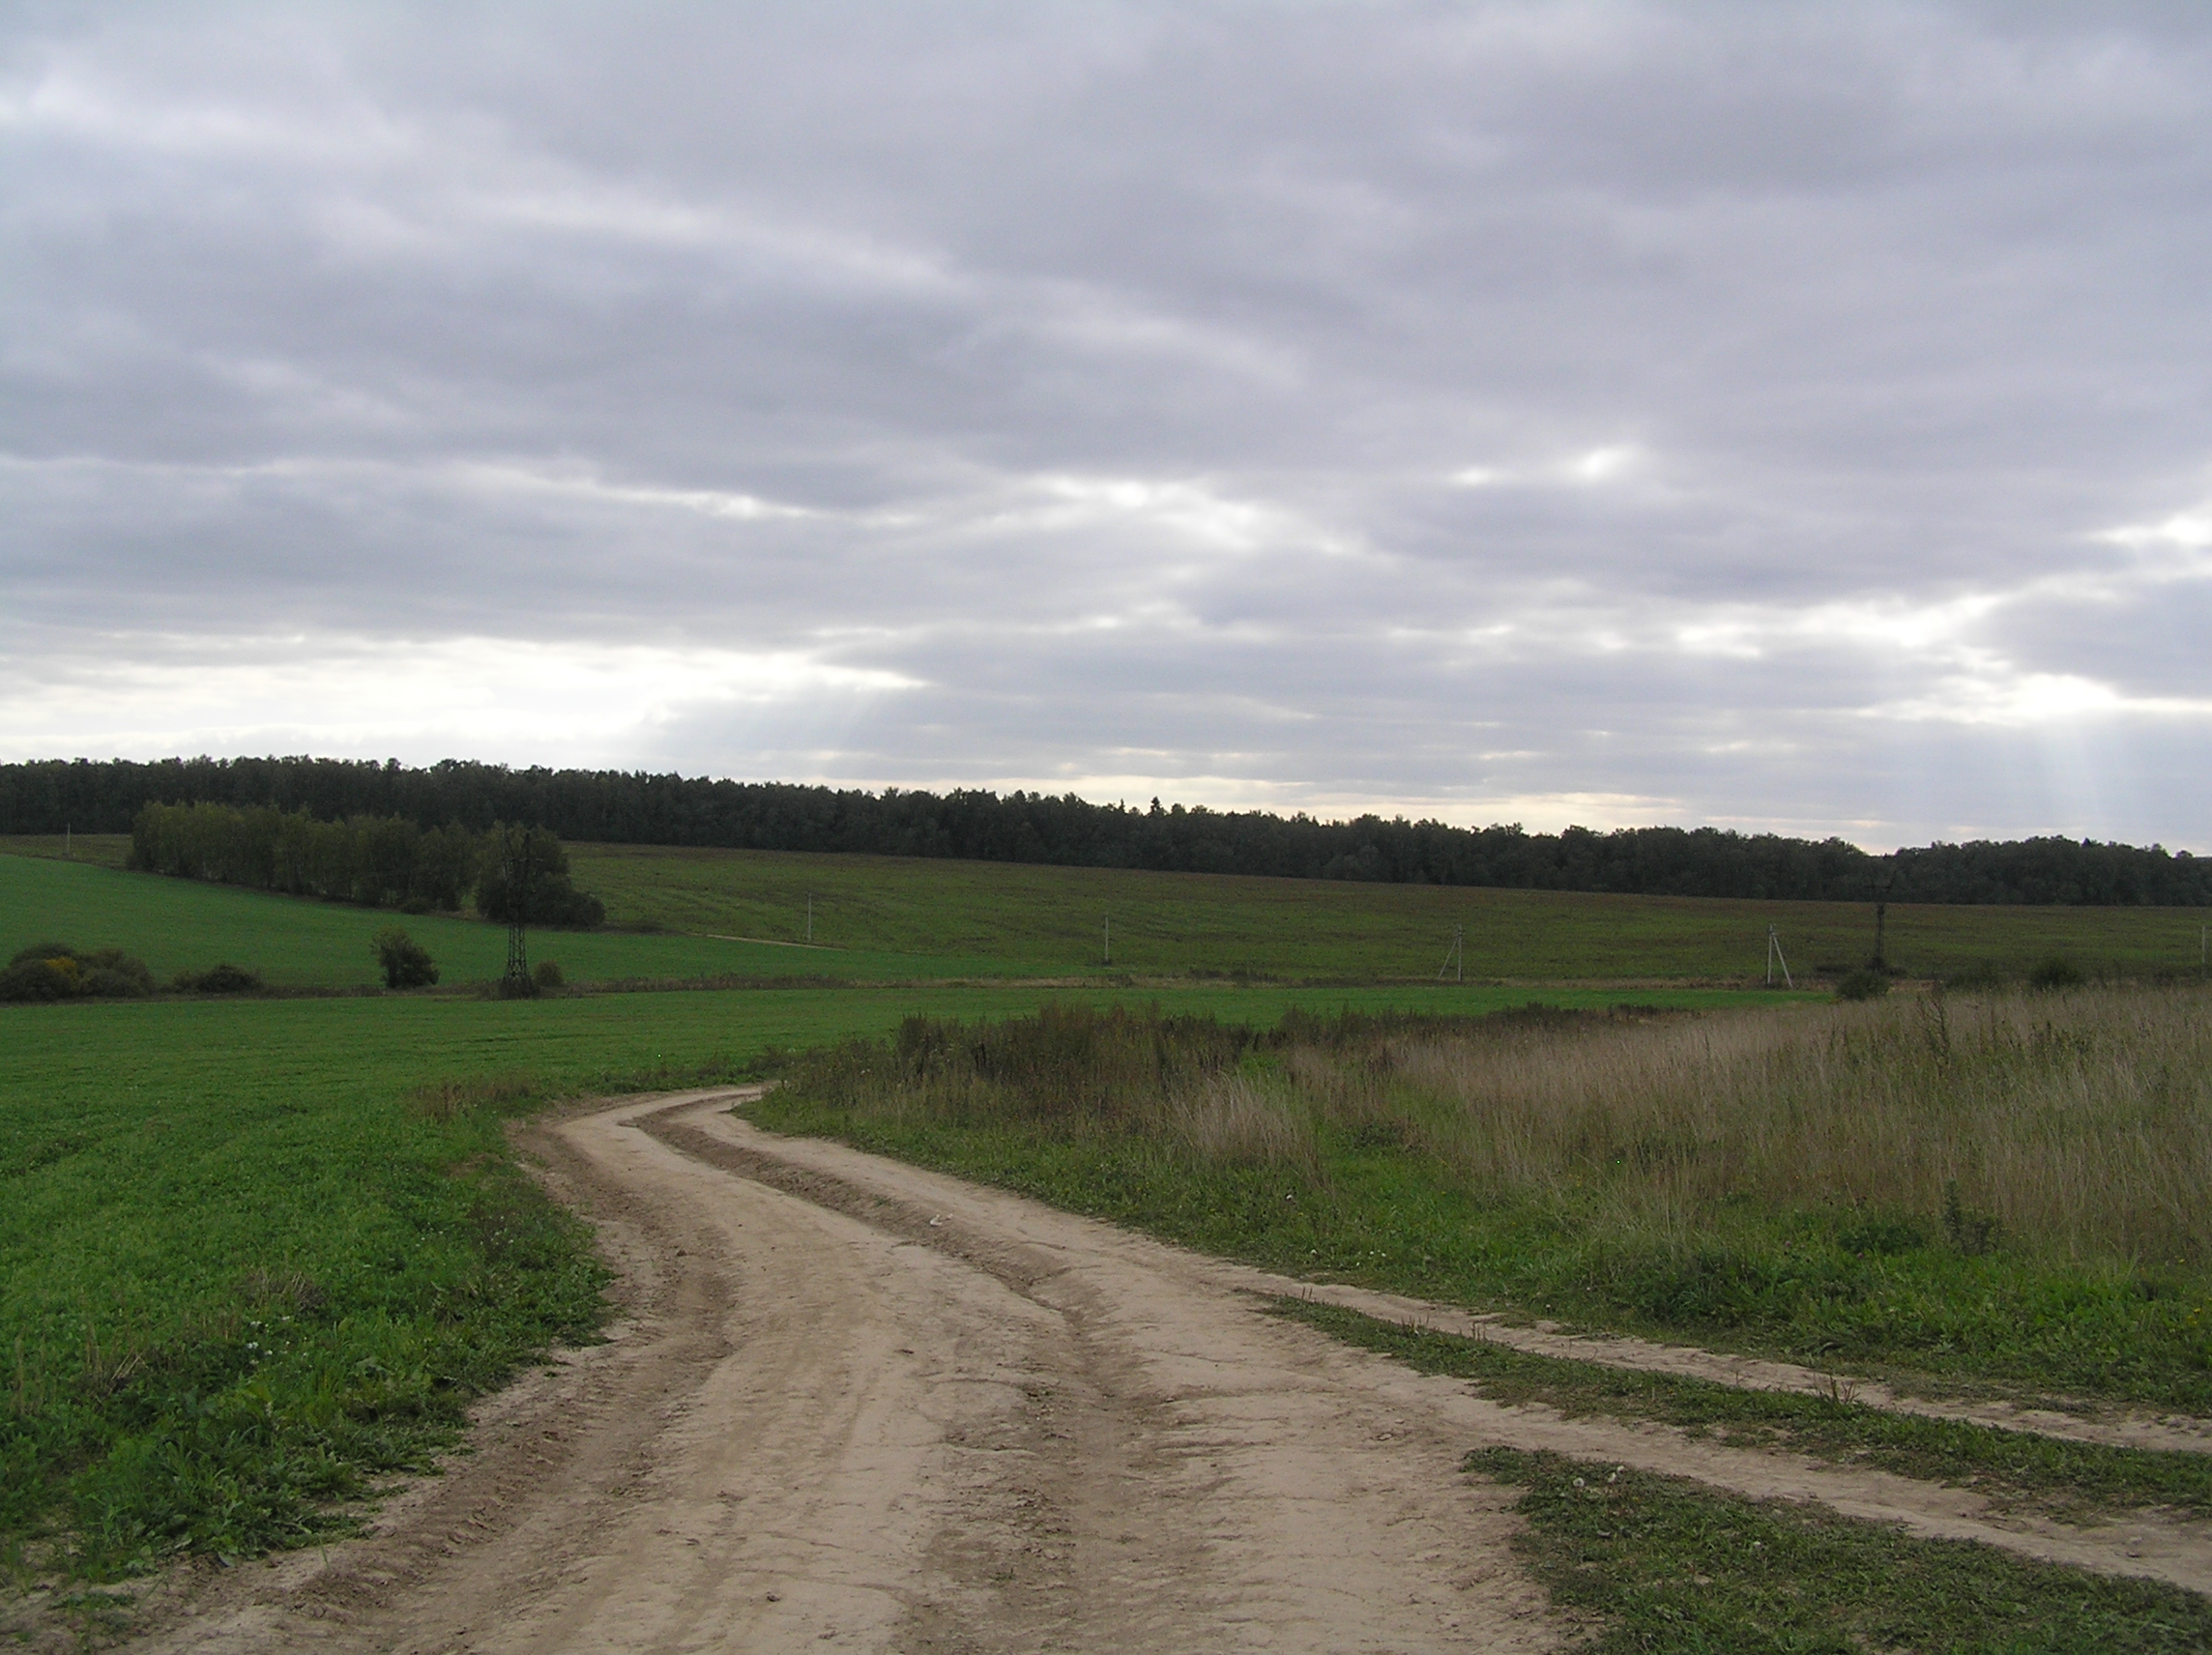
[632, 807]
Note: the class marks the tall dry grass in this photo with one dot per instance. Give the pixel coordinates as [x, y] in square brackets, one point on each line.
[1243, 1120]
[2081, 1122]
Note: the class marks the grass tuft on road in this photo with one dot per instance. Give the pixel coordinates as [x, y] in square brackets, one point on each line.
[2017, 1470]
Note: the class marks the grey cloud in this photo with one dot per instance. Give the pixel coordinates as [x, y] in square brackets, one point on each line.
[1119, 374]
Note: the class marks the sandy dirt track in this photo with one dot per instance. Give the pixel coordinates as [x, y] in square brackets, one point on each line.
[851, 1405]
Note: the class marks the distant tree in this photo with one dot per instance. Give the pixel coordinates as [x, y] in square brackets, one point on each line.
[551, 899]
[406, 963]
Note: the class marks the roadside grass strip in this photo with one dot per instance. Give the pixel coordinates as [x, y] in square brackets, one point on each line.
[2005, 1194]
[2017, 1470]
[1659, 1565]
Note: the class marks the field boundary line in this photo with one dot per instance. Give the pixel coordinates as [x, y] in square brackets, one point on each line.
[772, 942]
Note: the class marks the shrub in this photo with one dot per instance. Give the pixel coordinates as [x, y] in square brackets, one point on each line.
[1865, 983]
[548, 973]
[2058, 971]
[112, 974]
[406, 963]
[55, 971]
[55, 978]
[225, 978]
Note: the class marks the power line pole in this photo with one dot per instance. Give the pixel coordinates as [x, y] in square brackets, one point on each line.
[515, 857]
[1774, 953]
[810, 919]
[1456, 960]
[1109, 960]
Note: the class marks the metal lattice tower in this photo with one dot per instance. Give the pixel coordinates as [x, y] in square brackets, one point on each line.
[514, 865]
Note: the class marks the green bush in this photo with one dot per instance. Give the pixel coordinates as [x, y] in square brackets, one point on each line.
[225, 978]
[53, 978]
[405, 962]
[55, 971]
[548, 973]
[1865, 983]
[2058, 971]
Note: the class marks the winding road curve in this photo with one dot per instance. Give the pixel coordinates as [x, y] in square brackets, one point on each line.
[851, 1405]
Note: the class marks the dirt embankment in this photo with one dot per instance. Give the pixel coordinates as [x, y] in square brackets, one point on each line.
[856, 1404]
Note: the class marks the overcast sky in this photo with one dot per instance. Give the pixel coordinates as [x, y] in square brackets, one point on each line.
[1770, 415]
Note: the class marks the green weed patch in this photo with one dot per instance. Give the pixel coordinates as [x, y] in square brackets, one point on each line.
[232, 1299]
[1665, 1567]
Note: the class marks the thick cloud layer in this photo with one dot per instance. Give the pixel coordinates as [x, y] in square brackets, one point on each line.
[1780, 416]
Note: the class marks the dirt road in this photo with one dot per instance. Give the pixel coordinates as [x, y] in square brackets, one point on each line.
[856, 1405]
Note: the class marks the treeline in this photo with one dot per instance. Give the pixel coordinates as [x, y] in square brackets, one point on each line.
[632, 807]
[378, 861]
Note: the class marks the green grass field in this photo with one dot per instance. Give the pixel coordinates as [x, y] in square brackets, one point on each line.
[1052, 920]
[885, 919]
[242, 1268]
[249, 1263]
[179, 925]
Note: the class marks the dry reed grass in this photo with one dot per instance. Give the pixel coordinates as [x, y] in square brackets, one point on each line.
[2081, 1122]
[1238, 1120]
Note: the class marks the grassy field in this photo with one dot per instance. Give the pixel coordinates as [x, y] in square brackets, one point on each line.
[1052, 920]
[245, 1266]
[178, 925]
[255, 1254]
[882, 918]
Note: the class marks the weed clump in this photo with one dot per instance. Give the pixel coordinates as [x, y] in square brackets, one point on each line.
[442, 1100]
